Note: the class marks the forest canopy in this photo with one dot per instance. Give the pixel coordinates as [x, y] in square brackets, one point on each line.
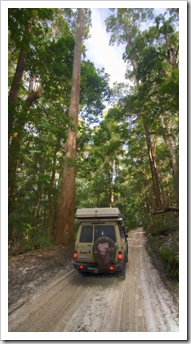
[127, 144]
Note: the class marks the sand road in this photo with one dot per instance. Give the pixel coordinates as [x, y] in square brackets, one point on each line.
[102, 303]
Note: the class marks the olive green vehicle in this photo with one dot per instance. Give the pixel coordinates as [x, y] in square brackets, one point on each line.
[101, 244]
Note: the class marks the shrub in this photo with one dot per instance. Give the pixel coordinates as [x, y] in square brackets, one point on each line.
[171, 257]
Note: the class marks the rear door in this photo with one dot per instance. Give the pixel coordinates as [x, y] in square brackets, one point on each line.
[106, 230]
[85, 243]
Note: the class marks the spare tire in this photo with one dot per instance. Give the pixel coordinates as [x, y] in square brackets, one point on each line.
[104, 251]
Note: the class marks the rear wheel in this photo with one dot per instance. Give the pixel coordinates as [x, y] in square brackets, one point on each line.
[122, 273]
[83, 273]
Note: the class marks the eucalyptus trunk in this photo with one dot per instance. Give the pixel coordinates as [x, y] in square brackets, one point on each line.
[16, 141]
[154, 173]
[15, 86]
[50, 220]
[64, 229]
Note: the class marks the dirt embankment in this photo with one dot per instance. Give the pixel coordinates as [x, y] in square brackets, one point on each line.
[29, 271]
[69, 302]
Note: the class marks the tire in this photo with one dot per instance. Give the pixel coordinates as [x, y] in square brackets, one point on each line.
[126, 255]
[104, 258]
[83, 273]
[122, 274]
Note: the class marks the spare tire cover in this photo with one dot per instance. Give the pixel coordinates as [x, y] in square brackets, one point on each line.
[104, 251]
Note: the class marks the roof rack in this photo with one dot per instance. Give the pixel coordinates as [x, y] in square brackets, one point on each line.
[98, 213]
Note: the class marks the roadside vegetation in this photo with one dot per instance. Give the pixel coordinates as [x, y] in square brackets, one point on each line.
[163, 245]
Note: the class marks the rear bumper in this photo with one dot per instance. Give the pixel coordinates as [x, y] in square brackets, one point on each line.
[93, 267]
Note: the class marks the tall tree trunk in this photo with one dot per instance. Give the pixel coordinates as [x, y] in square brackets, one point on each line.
[155, 178]
[15, 143]
[170, 142]
[169, 139]
[12, 165]
[14, 91]
[50, 220]
[64, 230]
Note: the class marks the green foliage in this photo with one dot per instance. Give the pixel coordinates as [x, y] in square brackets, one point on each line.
[94, 90]
[113, 162]
[163, 239]
[164, 225]
[43, 126]
[126, 23]
[172, 260]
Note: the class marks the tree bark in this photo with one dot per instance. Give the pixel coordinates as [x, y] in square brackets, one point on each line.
[170, 142]
[155, 178]
[165, 210]
[14, 91]
[50, 220]
[64, 230]
[169, 139]
[15, 143]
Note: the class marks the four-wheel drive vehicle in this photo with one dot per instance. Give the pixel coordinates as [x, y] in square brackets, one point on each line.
[101, 243]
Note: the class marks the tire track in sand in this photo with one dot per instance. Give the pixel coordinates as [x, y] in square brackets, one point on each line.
[102, 303]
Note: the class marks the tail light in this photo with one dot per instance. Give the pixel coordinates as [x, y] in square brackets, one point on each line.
[75, 255]
[111, 268]
[81, 267]
[120, 256]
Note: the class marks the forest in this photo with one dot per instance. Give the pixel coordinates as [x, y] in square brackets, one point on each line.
[74, 141]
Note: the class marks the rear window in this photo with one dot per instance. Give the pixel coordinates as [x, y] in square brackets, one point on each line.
[105, 230]
[86, 234]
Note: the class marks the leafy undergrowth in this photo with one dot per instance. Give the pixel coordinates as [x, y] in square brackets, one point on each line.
[28, 244]
[163, 246]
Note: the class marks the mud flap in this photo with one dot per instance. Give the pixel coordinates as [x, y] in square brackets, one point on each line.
[122, 273]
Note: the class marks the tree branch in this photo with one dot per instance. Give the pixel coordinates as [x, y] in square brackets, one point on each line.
[161, 211]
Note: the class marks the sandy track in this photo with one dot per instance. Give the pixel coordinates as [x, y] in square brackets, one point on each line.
[102, 303]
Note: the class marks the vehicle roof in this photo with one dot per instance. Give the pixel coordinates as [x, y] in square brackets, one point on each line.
[98, 213]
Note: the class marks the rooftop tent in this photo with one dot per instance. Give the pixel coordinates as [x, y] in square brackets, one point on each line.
[94, 213]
